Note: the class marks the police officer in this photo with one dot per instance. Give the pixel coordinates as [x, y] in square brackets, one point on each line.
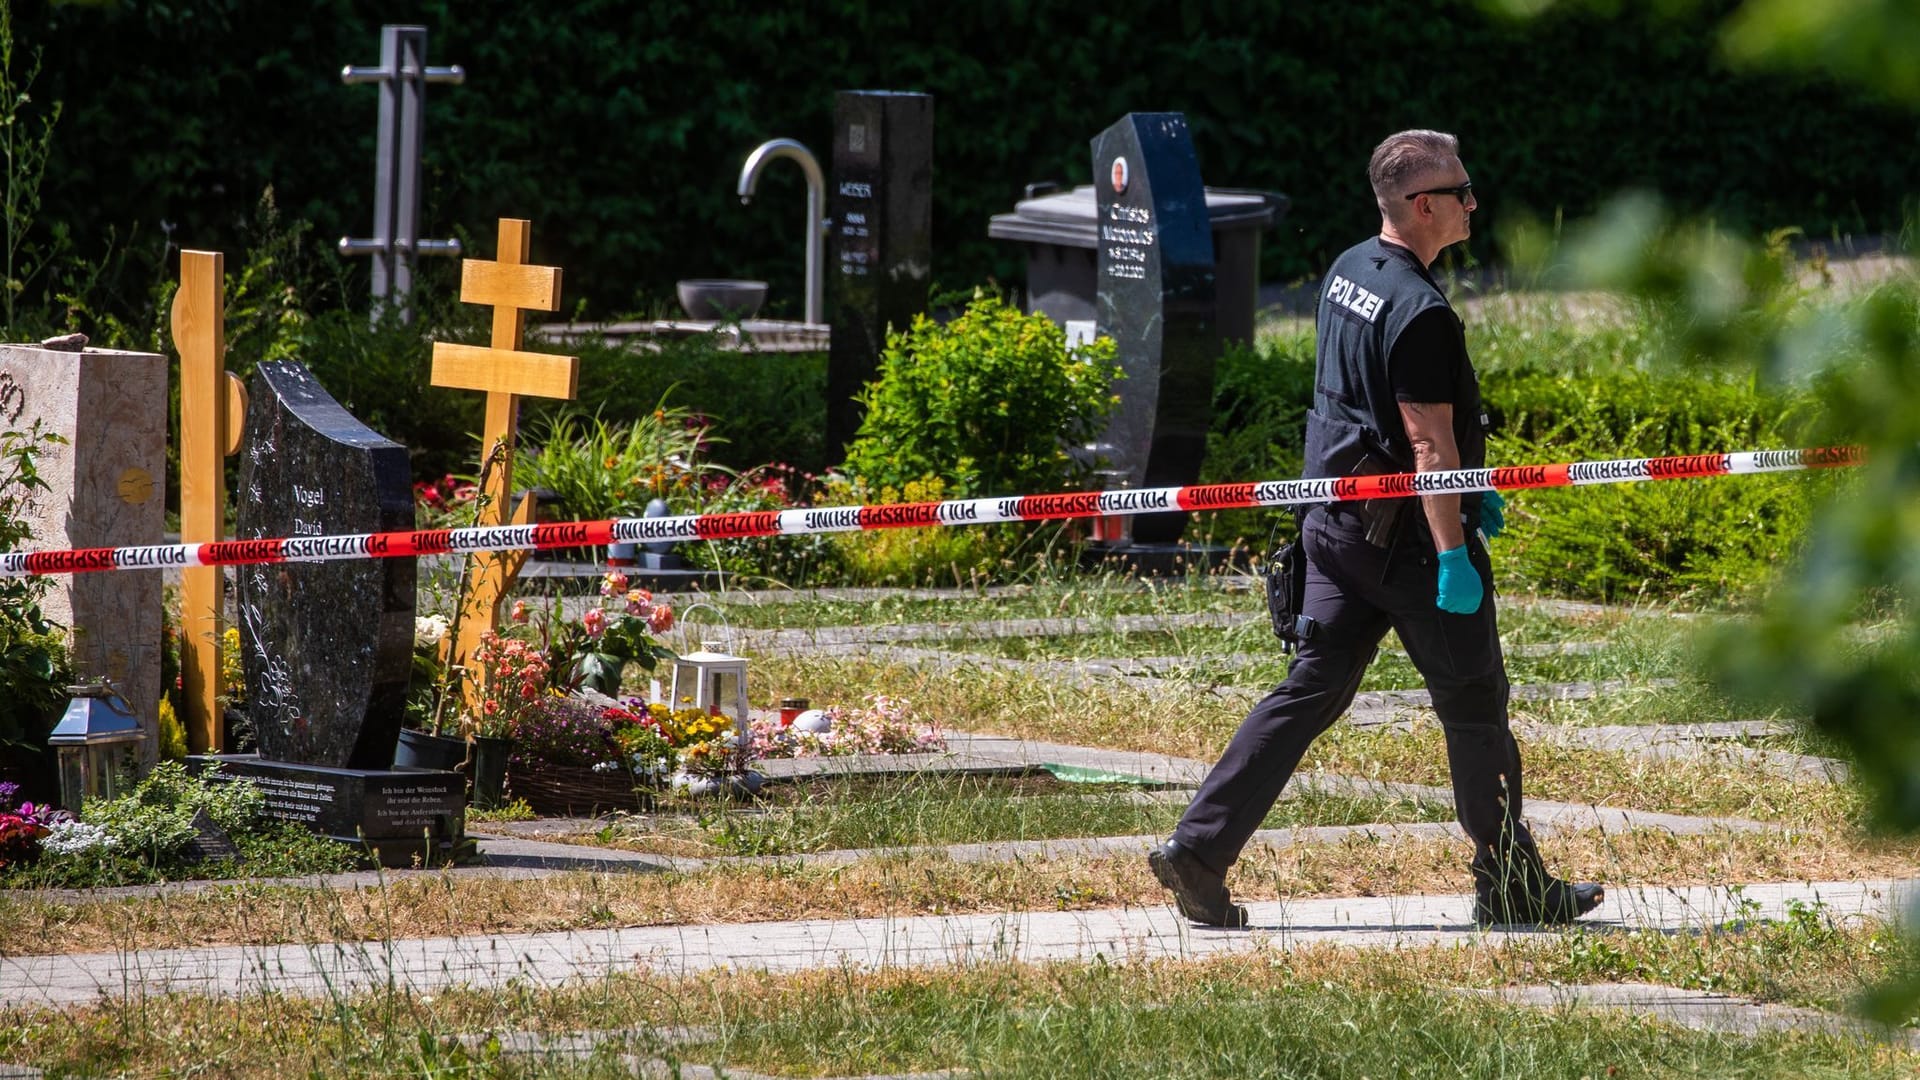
[1394, 392]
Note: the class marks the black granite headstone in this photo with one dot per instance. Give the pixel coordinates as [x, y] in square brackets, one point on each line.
[327, 647]
[880, 199]
[1155, 298]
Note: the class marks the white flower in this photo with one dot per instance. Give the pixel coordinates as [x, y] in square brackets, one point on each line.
[429, 630]
[74, 838]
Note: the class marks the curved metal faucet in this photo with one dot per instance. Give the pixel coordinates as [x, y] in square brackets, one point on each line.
[816, 210]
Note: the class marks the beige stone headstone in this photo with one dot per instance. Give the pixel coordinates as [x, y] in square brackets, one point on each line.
[106, 488]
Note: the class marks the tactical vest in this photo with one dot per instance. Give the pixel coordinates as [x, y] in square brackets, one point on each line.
[1353, 428]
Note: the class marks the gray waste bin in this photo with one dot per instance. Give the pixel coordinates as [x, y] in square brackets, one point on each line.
[1061, 238]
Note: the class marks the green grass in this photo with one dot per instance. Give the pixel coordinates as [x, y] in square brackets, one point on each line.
[837, 813]
[1628, 648]
[1088, 597]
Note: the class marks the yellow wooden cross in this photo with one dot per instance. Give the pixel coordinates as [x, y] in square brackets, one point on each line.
[511, 288]
[213, 409]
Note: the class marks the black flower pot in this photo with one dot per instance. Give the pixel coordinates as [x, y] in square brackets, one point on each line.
[425, 750]
[490, 771]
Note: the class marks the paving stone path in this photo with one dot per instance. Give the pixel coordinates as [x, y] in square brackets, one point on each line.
[1114, 935]
[1110, 934]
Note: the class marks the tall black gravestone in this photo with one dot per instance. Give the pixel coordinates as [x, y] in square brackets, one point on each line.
[881, 203]
[1155, 298]
[327, 647]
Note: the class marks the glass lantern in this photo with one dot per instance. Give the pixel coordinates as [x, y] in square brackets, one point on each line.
[714, 682]
[94, 744]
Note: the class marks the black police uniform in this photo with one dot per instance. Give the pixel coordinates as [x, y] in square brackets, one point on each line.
[1386, 334]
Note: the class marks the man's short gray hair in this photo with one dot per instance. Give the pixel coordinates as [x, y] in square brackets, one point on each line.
[1402, 158]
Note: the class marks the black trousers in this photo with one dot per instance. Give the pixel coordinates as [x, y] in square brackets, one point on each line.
[1356, 596]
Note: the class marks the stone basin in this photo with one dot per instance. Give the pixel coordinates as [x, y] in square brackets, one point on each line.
[722, 299]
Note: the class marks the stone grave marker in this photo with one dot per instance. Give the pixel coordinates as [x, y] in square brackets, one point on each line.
[105, 488]
[327, 647]
[880, 200]
[1155, 298]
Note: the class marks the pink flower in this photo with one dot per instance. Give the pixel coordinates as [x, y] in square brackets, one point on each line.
[519, 611]
[595, 621]
[660, 619]
[614, 585]
[639, 603]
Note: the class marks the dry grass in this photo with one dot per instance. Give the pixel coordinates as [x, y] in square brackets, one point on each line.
[1190, 721]
[843, 1021]
[447, 904]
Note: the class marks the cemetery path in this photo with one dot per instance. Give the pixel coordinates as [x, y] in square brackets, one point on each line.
[1114, 935]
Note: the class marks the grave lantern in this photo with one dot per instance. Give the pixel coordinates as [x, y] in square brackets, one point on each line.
[95, 743]
[714, 681]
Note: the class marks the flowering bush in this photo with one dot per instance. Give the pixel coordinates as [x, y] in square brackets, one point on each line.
[24, 827]
[884, 726]
[647, 740]
[565, 730]
[148, 835]
[76, 838]
[514, 681]
[445, 503]
[593, 651]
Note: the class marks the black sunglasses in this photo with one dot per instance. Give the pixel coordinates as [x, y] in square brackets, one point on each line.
[1460, 192]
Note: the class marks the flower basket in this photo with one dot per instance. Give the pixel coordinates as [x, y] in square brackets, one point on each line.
[575, 790]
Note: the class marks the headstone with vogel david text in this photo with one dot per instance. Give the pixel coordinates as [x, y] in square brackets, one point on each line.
[880, 253]
[327, 647]
[1155, 298]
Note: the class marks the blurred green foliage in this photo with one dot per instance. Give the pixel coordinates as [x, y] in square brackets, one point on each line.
[1837, 639]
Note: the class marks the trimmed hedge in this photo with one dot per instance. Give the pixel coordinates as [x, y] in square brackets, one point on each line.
[619, 128]
[1560, 395]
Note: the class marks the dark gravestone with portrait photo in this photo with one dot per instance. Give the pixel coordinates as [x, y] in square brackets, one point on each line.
[880, 254]
[1155, 298]
[327, 647]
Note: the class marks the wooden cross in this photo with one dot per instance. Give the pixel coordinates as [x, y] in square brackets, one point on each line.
[506, 374]
[213, 410]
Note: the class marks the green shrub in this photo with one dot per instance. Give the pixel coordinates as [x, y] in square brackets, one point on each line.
[1260, 400]
[1559, 392]
[33, 657]
[941, 556]
[1714, 539]
[605, 470]
[151, 830]
[988, 403]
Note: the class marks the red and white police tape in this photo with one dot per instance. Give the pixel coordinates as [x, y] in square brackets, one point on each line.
[905, 515]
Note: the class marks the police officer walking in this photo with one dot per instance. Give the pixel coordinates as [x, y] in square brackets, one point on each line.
[1394, 391]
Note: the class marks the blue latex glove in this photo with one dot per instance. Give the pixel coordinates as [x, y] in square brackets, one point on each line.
[1492, 521]
[1460, 588]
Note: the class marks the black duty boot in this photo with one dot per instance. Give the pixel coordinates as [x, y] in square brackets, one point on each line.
[1200, 892]
[1527, 894]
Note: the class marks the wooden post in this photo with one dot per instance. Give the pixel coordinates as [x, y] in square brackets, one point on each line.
[213, 409]
[505, 373]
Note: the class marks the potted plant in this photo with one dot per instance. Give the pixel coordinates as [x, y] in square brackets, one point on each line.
[593, 651]
[433, 709]
[513, 683]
